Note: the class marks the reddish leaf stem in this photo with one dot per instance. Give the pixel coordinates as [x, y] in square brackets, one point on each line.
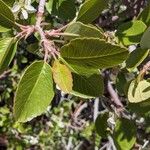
[48, 45]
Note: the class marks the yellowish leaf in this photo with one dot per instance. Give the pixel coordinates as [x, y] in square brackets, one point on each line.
[62, 77]
[139, 92]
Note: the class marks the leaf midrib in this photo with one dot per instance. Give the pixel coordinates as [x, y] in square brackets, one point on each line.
[92, 57]
[6, 52]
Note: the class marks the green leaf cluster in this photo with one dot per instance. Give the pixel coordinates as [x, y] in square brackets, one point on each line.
[85, 52]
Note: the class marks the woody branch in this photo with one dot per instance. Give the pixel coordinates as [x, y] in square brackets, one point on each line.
[47, 45]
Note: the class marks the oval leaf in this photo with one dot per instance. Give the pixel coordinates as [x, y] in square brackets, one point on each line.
[101, 125]
[62, 77]
[8, 48]
[121, 83]
[93, 53]
[139, 92]
[61, 8]
[145, 15]
[144, 43]
[140, 108]
[124, 134]
[3, 29]
[34, 93]
[130, 32]
[65, 7]
[7, 18]
[90, 10]
[83, 30]
[79, 69]
[87, 86]
[136, 58]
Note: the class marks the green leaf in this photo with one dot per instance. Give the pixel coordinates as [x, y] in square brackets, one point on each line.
[35, 92]
[49, 6]
[124, 134]
[101, 125]
[83, 30]
[9, 2]
[62, 77]
[136, 58]
[93, 53]
[90, 10]
[88, 86]
[3, 29]
[65, 7]
[7, 18]
[79, 69]
[139, 92]
[140, 108]
[145, 15]
[8, 48]
[144, 43]
[87, 132]
[55, 5]
[61, 8]
[121, 83]
[130, 32]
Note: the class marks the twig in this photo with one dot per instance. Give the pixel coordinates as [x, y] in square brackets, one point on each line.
[111, 141]
[114, 95]
[104, 146]
[39, 28]
[96, 108]
[62, 28]
[3, 75]
[77, 107]
[146, 67]
[146, 142]
[69, 145]
[80, 109]
[48, 46]
[75, 127]
[78, 145]
[58, 32]
[40, 12]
